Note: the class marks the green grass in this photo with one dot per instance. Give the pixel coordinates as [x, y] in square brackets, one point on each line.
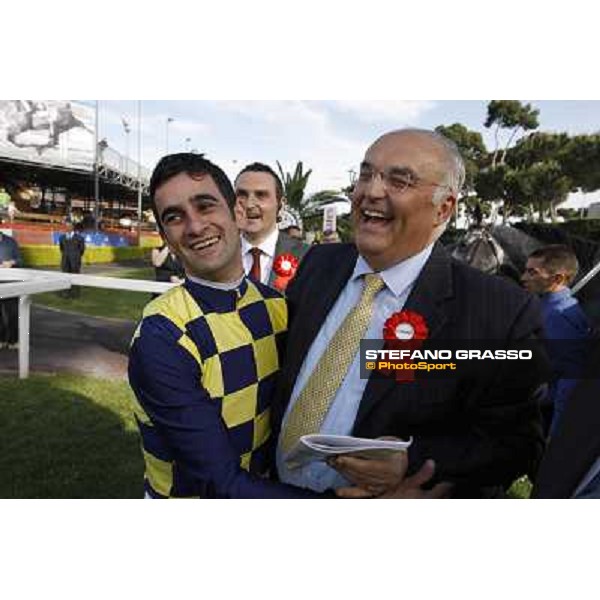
[520, 489]
[66, 436]
[100, 302]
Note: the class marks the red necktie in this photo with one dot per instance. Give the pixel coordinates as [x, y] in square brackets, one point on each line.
[255, 268]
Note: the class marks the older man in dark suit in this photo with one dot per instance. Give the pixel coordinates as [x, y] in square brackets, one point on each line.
[481, 432]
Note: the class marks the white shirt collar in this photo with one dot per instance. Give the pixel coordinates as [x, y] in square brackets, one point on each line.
[267, 246]
[399, 276]
[232, 285]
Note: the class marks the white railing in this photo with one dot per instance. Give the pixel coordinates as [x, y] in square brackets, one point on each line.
[584, 280]
[26, 282]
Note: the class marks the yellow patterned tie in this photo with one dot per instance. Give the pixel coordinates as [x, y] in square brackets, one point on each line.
[309, 410]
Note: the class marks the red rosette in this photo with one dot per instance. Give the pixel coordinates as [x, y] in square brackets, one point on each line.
[404, 330]
[285, 267]
[405, 325]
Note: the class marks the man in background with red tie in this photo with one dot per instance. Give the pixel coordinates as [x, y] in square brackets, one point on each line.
[269, 255]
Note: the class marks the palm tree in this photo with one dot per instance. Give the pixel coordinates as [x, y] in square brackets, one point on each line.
[294, 187]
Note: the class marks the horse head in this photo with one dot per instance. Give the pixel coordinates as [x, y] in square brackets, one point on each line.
[479, 249]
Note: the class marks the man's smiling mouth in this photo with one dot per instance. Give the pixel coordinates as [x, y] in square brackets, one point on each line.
[369, 215]
[205, 243]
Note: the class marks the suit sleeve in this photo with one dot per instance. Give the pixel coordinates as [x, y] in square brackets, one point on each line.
[165, 379]
[500, 437]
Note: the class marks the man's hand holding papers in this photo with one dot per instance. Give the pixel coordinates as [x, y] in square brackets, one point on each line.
[324, 447]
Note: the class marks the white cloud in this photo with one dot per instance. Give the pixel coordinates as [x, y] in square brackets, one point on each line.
[234, 133]
[399, 111]
[292, 131]
[313, 132]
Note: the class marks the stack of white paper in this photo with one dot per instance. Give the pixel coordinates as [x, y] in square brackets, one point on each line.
[320, 447]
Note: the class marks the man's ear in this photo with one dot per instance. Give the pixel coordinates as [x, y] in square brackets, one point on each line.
[239, 214]
[445, 210]
[560, 279]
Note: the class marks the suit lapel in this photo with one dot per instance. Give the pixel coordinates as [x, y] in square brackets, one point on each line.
[286, 245]
[317, 303]
[431, 289]
[280, 247]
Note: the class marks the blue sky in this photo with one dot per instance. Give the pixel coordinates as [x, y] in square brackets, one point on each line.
[330, 137]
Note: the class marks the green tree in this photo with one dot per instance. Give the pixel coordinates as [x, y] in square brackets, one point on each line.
[580, 159]
[550, 186]
[512, 115]
[570, 161]
[542, 184]
[537, 147]
[490, 183]
[518, 190]
[472, 149]
[474, 154]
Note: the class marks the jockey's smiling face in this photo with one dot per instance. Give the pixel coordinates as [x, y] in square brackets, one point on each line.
[200, 227]
[401, 201]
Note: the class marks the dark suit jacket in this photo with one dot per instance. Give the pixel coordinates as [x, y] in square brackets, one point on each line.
[71, 249]
[482, 433]
[288, 245]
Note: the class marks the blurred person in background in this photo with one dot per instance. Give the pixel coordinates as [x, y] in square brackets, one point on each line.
[548, 273]
[10, 257]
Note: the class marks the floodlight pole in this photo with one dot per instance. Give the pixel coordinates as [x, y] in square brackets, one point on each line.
[169, 121]
[139, 170]
[96, 174]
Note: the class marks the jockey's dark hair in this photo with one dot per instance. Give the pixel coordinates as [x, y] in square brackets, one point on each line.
[194, 165]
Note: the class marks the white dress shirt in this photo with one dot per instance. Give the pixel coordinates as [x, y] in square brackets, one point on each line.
[267, 255]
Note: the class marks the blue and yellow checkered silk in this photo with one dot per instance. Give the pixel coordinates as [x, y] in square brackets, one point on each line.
[311, 406]
[205, 360]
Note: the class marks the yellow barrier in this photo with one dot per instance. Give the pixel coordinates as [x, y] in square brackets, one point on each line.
[49, 256]
[151, 241]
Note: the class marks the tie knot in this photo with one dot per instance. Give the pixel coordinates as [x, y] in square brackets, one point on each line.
[373, 284]
[255, 251]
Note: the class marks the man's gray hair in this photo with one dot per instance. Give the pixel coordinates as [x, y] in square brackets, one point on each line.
[455, 173]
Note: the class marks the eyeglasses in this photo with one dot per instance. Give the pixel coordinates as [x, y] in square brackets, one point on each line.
[394, 179]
